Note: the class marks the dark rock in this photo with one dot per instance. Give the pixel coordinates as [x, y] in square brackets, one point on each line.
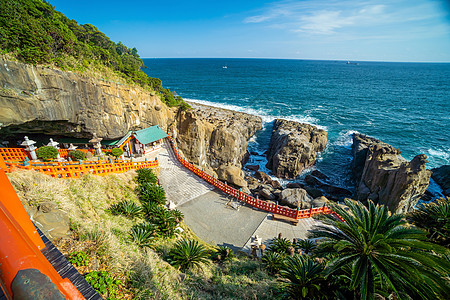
[294, 185]
[246, 158]
[385, 177]
[266, 194]
[320, 175]
[313, 181]
[276, 184]
[442, 177]
[313, 192]
[254, 153]
[293, 147]
[252, 167]
[262, 177]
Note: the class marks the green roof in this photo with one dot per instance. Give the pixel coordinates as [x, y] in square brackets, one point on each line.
[149, 134]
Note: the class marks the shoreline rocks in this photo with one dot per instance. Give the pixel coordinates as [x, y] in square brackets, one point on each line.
[442, 177]
[293, 147]
[385, 177]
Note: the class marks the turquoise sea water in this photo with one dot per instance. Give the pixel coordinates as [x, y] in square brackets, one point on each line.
[404, 104]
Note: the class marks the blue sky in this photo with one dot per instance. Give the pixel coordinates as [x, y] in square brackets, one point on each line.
[400, 30]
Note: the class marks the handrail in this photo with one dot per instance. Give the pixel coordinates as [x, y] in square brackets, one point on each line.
[21, 245]
[260, 204]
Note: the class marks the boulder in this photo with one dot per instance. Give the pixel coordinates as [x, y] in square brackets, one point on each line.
[442, 177]
[262, 177]
[295, 198]
[319, 202]
[276, 184]
[266, 194]
[384, 176]
[54, 224]
[294, 185]
[252, 167]
[232, 174]
[293, 147]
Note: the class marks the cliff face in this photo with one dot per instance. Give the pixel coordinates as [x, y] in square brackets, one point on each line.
[48, 101]
[293, 147]
[385, 177]
[212, 137]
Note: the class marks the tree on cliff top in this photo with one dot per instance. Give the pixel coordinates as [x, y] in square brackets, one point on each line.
[35, 33]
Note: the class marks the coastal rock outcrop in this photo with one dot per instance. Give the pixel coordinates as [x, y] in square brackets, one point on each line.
[43, 100]
[210, 136]
[385, 177]
[232, 174]
[293, 147]
[295, 198]
[442, 177]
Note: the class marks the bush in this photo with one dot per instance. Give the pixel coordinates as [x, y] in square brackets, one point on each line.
[77, 155]
[79, 258]
[47, 153]
[164, 219]
[149, 192]
[127, 208]
[188, 254]
[272, 261]
[224, 253]
[306, 245]
[103, 283]
[146, 176]
[279, 245]
[116, 152]
[142, 236]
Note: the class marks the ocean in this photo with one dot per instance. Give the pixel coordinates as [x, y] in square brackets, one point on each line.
[406, 105]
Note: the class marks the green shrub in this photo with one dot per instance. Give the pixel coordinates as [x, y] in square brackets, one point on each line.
[272, 262]
[116, 152]
[141, 236]
[149, 192]
[146, 176]
[306, 245]
[165, 221]
[224, 253]
[47, 153]
[279, 245]
[103, 283]
[79, 258]
[188, 254]
[77, 155]
[127, 208]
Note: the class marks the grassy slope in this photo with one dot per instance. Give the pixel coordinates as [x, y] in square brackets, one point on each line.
[105, 238]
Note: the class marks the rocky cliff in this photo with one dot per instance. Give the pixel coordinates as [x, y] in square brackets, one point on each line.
[43, 100]
[214, 137]
[293, 147]
[442, 177]
[385, 177]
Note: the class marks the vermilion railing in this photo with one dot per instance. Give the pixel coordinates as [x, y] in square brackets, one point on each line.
[19, 154]
[260, 204]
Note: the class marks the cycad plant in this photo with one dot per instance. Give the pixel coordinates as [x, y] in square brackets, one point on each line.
[224, 253]
[127, 208]
[146, 176]
[272, 262]
[164, 219]
[307, 246]
[305, 277]
[188, 254]
[141, 236]
[149, 192]
[376, 244]
[435, 219]
[279, 245]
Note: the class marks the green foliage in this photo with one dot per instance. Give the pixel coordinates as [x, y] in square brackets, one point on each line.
[79, 258]
[188, 254]
[383, 254]
[149, 192]
[279, 245]
[224, 253]
[116, 152]
[34, 32]
[103, 283]
[127, 208]
[435, 219]
[77, 155]
[47, 153]
[142, 235]
[146, 176]
[272, 261]
[304, 276]
[164, 219]
[307, 246]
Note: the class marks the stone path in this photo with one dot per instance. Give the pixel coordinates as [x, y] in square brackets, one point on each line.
[180, 184]
[210, 213]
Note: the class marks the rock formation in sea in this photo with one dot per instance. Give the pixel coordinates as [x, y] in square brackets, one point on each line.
[293, 147]
[216, 138]
[43, 100]
[442, 177]
[384, 176]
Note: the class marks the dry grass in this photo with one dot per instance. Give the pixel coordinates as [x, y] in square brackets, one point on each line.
[105, 238]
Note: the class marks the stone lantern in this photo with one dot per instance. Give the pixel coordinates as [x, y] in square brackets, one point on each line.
[54, 144]
[96, 143]
[29, 147]
[72, 147]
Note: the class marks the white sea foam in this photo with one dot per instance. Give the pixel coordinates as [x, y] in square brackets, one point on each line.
[439, 154]
[345, 138]
[265, 115]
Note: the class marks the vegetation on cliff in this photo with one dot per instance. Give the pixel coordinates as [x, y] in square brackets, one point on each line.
[33, 32]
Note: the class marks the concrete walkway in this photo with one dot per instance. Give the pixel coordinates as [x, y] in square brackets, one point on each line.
[214, 216]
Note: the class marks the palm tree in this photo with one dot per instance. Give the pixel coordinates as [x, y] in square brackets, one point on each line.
[435, 219]
[188, 254]
[380, 248]
[305, 277]
[306, 245]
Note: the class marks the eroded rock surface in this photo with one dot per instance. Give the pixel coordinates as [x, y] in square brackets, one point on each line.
[210, 136]
[385, 177]
[442, 177]
[293, 147]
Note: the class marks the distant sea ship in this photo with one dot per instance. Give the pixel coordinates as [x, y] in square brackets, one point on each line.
[351, 63]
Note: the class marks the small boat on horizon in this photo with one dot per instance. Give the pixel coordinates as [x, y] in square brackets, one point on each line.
[224, 67]
[351, 63]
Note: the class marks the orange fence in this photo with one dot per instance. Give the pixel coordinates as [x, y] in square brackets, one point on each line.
[260, 204]
[64, 153]
[75, 170]
[13, 154]
[22, 245]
